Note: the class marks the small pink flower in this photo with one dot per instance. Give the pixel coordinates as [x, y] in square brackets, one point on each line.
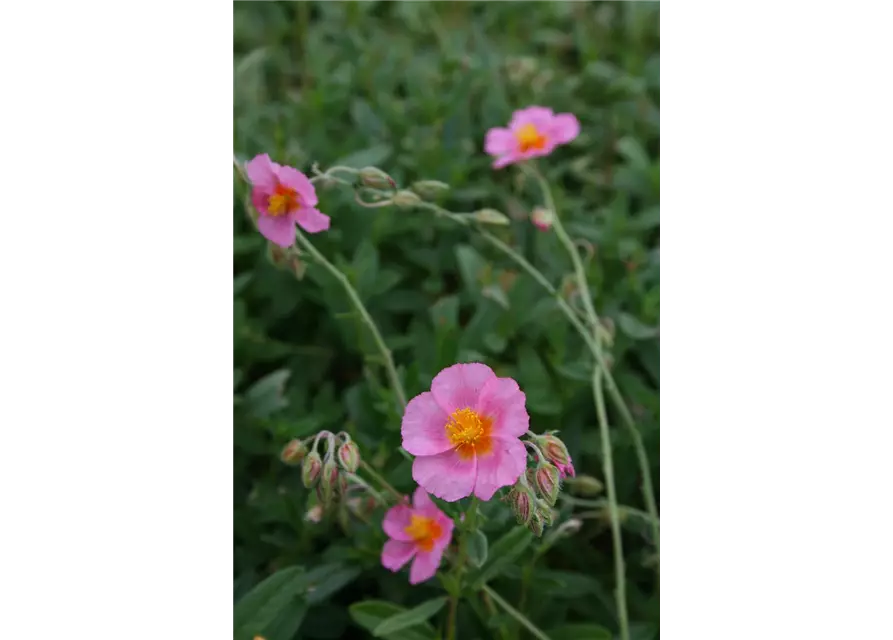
[532, 132]
[465, 433]
[283, 196]
[419, 533]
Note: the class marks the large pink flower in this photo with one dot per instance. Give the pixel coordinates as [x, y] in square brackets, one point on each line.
[283, 196]
[465, 433]
[419, 533]
[532, 132]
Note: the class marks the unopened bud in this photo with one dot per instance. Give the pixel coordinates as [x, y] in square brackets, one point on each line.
[277, 255]
[329, 482]
[542, 218]
[293, 453]
[547, 479]
[556, 453]
[586, 486]
[491, 216]
[314, 514]
[349, 456]
[376, 178]
[430, 189]
[545, 513]
[536, 525]
[406, 199]
[297, 266]
[311, 470]
[530, 474]
[522, 504]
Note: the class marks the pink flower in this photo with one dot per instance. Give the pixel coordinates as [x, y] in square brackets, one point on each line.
[465, 433]
[542, 218]
[532, 132]
[419, 533]
[283, 196]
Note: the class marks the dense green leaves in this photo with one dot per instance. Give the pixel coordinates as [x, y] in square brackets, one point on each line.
[407, 619]
[412, 88]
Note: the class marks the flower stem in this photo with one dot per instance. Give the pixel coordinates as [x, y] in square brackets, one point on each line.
[596, 347]
[608, 462]
[517, 615]
[469, 527]
[384, 483]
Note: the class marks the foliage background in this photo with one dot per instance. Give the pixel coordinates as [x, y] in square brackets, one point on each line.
[412, 88]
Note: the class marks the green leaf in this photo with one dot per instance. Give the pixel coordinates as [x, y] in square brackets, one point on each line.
[411, 618]
[331, 582]
[632, 150]
[267, 603]
[371, 613]
[636, 329]
[502, 554]
[496, 293]
[370, 157]
[471, 265]
[266, 397]
[477, 548]
[580, 632]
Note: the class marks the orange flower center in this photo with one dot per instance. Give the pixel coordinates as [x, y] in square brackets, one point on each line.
[469, 432]
[529, 138]
[424, 531]
[283, 200]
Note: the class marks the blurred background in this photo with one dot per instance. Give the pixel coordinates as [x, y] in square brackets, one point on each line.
[413, 87]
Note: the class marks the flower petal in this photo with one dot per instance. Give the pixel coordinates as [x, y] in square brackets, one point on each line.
[539, 117]
[279, 230]
[510, 158]
[260, 198]
[424, 426]
[500, 141]
[425, 565]
[502, 400]
[458, 386]
[291, 177]
[312, 220]
[395, 554]
[445, 475]
[500, 468]
[395, 522]
[261, 172]
[565, 127]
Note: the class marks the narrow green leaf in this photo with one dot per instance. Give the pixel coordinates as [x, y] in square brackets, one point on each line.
[411, 618]
[477, 548]
[372, 156]
[265, 397]
[370, 613]
[636, 329]
[503, 554]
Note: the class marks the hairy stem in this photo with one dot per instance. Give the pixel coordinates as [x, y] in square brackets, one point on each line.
[517, 615]
[377, 477]
[608, 463]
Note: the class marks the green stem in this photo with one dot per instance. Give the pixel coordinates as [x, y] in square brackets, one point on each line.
[517, 615]
[384, 483]
[596, 347]
[608, 463]
[469, 527]
[367, 486]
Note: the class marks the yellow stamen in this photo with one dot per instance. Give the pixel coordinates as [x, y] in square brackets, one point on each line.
[469, 432]
[529, 138]
[424, 531]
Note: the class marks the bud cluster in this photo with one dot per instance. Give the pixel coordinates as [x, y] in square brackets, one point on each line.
[330, 474]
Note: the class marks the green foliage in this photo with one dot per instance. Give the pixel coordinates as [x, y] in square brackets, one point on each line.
[412, 88]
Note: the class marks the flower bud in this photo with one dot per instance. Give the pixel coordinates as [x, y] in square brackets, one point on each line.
[536, 525]
[521, 499]
[546, 480]
[530, 474]
[293, 453]
[406, 199]
[544, 512]
[586, 486]
[349, 456]
[542, 218]
[314, 514]
[556, 453]
[277, 255]
[491, 216]
[376, 178]
[430, 189]
[311, 470]
[329, 482]
[297, 266]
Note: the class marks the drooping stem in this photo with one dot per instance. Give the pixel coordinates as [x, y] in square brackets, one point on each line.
[364, 315]
[608, 464]
[517, 615]
[468, 530]
[595, 346]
